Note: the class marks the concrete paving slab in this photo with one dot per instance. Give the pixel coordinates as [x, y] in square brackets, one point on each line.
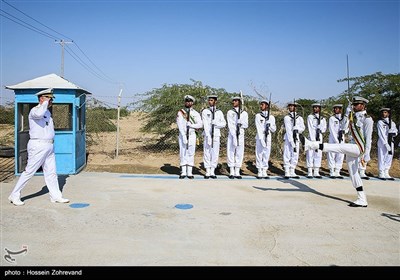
[132, 220]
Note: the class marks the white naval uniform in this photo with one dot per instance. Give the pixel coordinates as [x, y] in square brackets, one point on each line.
[40, 152]
[351, 149]
[186, 152]
[336, 123]
[263, 144]
[290, 157]
[314, 158]
[362, 168]
[235, 149]
[384, 158]
[211, 152]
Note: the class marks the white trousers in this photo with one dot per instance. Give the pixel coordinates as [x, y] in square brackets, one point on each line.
[235, 154]
[314, 158]
[384, 159]
[40, 154]
[290, 158]
[352, 153]
[211, 154]
[262, 154]
[335, 160]
[186, 153]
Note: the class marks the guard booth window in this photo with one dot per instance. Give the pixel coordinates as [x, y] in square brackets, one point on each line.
[62, 116]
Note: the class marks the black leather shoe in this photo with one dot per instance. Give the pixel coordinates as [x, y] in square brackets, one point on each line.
[309, 177]
[339, 177]
[190, 177]
[352, 204]
[258, 177]
[206, 177]
[266, 177]
[365, 178]
[333, 177]
[238, 177]
[318, 177]
[231, 177]
[213, 177]
[182, 177]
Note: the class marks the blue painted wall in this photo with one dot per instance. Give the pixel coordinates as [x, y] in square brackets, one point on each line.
[69, 145]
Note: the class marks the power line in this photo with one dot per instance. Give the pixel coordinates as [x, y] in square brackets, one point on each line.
[27, 25]
[75, 56]
[111, 80]
[36, 20]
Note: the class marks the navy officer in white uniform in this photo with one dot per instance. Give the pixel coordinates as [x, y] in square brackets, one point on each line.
[40, 150]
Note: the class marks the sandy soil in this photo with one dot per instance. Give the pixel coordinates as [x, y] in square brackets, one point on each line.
[132, 159]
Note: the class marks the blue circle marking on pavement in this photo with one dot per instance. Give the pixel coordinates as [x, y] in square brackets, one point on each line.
[184, 206]
[79, 205]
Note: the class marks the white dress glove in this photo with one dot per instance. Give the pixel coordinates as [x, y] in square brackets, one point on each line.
[262, 141]
[388, 148]
[348, 110]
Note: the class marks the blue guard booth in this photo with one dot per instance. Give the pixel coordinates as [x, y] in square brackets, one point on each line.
[68, 112]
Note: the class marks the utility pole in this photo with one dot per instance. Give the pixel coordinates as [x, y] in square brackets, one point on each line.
[118, 113]
[62, 43]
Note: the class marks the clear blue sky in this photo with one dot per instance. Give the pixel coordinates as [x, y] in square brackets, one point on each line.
[294, 49]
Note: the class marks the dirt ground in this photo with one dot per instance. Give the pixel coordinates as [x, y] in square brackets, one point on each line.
[131, 158]
[101, 157]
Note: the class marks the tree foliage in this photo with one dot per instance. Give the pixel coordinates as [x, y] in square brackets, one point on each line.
[382, 90]
[160, 106]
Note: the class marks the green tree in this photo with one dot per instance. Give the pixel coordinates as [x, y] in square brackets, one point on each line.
[382, 90]
[160, 106]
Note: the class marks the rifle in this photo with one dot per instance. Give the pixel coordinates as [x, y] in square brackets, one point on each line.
[295, 131]
[187, 128]
[345, 117]
[212, 125]
[390, 135]
[267, 123]
[318, 131]
[340, 135]
[238, 117]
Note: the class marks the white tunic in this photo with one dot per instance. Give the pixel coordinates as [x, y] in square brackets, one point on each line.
[235, 146]
[384, 158]
[212, 134]
[40, 152]
[316, 126]
[291, 148]
[263, 143]
[188, 135]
